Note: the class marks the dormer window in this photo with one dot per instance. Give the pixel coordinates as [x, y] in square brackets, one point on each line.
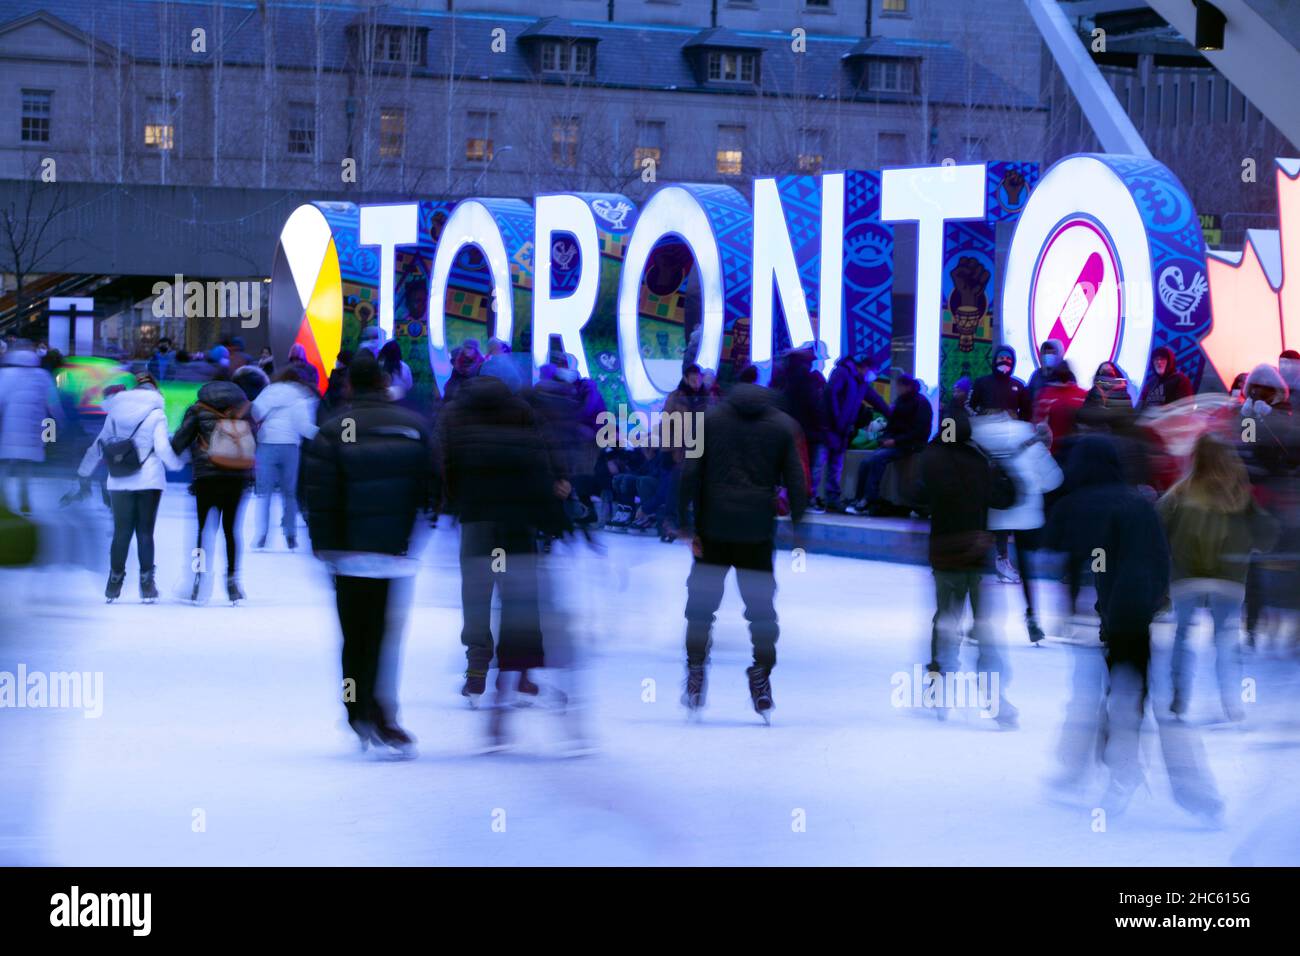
[399, 45]
[567, 57]
[732, 66]
[891, 76]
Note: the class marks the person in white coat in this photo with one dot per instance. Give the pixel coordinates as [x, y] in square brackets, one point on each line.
[1021, 452]
[28, 401]
[136, 415]
[285, 413]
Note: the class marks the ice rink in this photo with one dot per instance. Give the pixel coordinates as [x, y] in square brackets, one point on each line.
[221, 739]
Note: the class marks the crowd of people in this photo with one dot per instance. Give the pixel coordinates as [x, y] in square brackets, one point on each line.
[1163, 498]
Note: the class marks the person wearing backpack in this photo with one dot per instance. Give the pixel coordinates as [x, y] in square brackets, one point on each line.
[218, 433]
[1022, 452]
[133, 444]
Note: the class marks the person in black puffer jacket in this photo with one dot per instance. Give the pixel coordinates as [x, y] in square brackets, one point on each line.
[1001, 389]
[217, 485]
[749, 447]
[499, 478]
[365, 477]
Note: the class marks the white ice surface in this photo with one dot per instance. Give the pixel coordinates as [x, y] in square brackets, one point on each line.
[233, 712]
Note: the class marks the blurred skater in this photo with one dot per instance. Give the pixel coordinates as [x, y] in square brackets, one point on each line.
[749, 448]
[1107, 518]
[1018, 448]
[28, 399]
[498, 479]
[366, 475]
[958, 485]
[1213, 525]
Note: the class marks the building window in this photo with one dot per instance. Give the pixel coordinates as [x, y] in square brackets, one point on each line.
[730, 156]
[567, 57]
[564, 141]
[893, 6]
[478, 145]
[36, 116]
[392, 132]
[159, 133]
[812, 149]
[302, 129]
[399, 45]
[818, 4]
[649, 144]
[891, 148]
[891, 76]
[728, 67]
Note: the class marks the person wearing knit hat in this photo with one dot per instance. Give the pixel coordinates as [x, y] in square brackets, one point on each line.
[1050, 354]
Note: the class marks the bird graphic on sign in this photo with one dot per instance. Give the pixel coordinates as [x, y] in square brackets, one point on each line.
[1180, 298]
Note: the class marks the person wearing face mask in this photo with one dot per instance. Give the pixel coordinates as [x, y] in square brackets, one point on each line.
[1050, 355]
[1164, 384]
[160, 363]
[1000, 390]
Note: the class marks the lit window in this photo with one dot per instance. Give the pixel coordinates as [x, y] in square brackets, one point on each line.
[564, 141]
[730, 156]
[650, 144]
[36, 116]
[392, 132]
[811, 151]
[302, 129]
[159, 133]
[729, 67]
[894, 6]
[559, 56]
[479, 147]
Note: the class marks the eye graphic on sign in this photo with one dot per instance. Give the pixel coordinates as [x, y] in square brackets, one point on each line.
[307, 299]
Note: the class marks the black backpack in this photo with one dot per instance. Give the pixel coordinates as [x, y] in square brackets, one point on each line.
[1002, 487]
[121, 456]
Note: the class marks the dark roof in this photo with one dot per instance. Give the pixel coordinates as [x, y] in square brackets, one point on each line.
[882, 47]
[721, 38]
[558, 28]
[632, 55]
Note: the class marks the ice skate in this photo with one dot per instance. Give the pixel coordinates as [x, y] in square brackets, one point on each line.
[1006, 572]
[393, 743]
[1036, 634]
[148, 587]
[113, 590]
[232, 589]
[694, 691]
[196, 591]
[1008, 716]
[760, 691]
[474, 686]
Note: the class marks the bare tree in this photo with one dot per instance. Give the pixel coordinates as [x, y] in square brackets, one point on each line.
[28, 235]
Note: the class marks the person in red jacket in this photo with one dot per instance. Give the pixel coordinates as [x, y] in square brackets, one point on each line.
[1058, 403]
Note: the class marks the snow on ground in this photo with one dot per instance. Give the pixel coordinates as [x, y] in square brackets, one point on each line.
[229, 715]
